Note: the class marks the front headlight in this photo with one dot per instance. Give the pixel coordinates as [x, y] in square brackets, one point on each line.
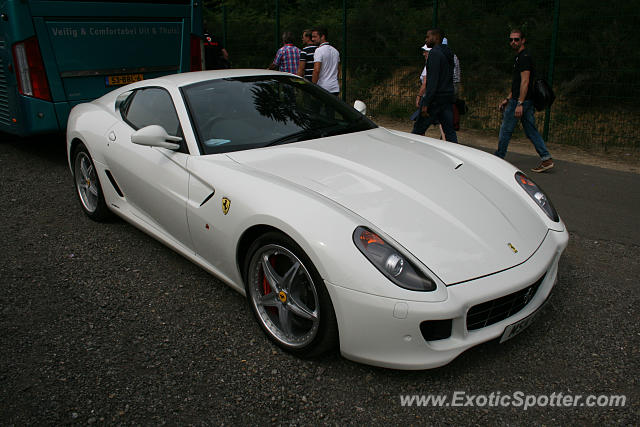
[390, 262]
[537, 195]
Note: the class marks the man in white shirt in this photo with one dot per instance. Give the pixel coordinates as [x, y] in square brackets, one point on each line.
[326, 66]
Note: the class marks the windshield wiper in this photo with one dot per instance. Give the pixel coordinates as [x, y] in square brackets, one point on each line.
[295, 137]
[357, 125]
[331, 130]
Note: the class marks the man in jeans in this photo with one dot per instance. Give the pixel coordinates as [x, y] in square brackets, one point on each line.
[519, 104]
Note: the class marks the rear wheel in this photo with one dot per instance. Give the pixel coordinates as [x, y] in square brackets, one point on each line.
[288, 297]
[88, 187]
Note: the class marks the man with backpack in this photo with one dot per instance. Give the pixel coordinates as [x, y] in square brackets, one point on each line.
[519, 104]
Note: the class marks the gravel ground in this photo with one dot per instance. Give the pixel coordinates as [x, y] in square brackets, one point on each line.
[102, 324]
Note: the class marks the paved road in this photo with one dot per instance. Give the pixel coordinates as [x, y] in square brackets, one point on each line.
[101, 324]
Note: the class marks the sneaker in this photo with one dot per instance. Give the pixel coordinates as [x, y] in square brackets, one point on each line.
[543, 166]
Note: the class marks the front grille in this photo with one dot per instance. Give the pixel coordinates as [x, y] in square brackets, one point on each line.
[490, 312]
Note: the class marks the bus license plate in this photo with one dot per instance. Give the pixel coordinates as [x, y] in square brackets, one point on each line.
[124, 79]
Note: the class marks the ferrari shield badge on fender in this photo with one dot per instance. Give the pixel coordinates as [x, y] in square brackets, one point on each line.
[513, 248]
[226, 204]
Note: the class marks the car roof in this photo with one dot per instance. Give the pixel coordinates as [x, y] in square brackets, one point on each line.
[184, 79]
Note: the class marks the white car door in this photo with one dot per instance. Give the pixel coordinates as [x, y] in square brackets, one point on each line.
[153, 180]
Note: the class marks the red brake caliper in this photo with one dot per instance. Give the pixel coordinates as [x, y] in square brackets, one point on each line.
[265, 285]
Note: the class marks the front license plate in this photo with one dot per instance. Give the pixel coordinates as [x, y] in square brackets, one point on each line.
[515, 328]
[124, 79]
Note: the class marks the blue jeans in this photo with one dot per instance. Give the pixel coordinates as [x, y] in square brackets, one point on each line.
[442, 113]
[509, 121]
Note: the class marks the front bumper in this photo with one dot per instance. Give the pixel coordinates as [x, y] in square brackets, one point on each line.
[386, 332]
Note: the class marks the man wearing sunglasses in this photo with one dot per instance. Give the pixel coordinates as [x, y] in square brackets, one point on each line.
[519, 104]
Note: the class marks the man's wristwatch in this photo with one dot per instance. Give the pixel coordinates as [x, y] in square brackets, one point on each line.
[519, 102]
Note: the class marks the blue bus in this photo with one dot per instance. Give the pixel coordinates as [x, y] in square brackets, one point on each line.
[55, 54]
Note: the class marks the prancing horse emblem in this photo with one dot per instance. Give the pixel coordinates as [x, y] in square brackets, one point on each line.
[226, 204]
[513, 248]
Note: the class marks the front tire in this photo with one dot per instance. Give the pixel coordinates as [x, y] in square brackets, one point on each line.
[88, 188]
[288, 297]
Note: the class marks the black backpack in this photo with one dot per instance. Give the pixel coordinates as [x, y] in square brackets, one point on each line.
[543, 95]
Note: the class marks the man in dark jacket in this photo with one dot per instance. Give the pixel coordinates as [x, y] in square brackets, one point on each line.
[437, 99]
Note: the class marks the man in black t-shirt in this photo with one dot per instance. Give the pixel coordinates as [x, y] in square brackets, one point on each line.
[519, 104]
[215, 56]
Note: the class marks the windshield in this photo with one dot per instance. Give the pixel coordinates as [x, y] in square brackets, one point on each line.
[251, 112]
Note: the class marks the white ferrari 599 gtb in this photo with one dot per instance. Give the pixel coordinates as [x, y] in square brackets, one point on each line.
[401, 250]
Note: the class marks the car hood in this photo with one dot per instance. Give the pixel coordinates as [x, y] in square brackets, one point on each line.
[456, 217]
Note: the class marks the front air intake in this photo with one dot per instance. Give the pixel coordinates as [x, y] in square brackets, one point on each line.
[490, 312]
[433, 330]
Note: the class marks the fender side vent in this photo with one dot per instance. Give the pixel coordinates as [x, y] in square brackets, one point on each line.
[113, 183]
[207, 199]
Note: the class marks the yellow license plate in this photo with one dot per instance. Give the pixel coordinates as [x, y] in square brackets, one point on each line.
[124, 79]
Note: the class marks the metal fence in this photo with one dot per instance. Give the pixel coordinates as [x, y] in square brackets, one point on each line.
[591, 58]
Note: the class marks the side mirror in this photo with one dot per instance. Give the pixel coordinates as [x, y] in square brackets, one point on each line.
[360, 106]
[155, 136]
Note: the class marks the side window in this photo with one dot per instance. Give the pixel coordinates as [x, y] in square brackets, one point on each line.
[152, 106]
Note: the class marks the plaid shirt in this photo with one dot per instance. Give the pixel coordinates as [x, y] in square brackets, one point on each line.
[288, 58]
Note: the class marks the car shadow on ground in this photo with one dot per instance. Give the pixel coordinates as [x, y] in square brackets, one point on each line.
[47, 147]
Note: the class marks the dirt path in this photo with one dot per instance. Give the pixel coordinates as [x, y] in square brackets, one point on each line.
[622, 160]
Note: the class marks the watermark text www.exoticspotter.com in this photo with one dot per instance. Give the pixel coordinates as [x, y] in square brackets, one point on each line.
[516, 399]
